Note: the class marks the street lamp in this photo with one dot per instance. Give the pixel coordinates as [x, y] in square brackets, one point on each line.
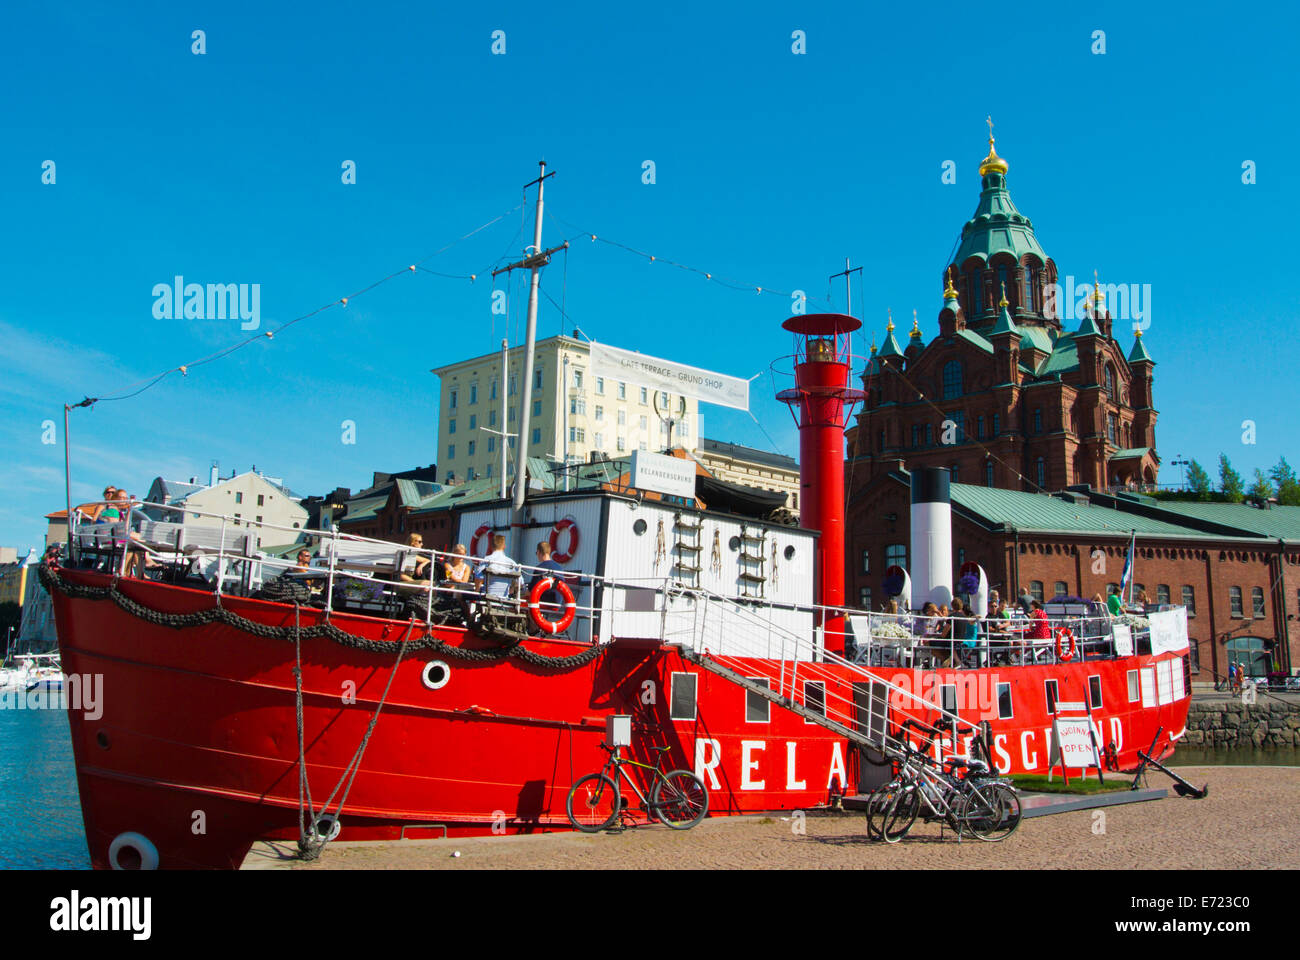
[1180, 461]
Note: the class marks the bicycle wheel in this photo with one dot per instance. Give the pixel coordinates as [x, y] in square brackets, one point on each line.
[878, 801]
[593, 803]
[990, 811]
[900, 816]
[679, 800]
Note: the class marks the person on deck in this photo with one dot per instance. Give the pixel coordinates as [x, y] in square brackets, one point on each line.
[1114, 604]
[1039, 628]
[498, 572]
[458, 570]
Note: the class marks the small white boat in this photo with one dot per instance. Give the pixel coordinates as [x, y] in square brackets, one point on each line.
[39, 671]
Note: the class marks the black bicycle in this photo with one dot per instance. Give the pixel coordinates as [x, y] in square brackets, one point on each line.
[677, 799]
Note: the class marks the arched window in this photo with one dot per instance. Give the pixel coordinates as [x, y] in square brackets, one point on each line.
[1256, 600]
[976, 294]
[1027, 301]
[952, 379]
[1040, 466]
[1234, 601]
[1109, 374]
[1036, 590]
[988, 474]
[1250, 655]
[1061, 588]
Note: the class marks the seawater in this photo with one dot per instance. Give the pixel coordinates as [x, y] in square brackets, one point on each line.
[1198, 756]
[40, 809]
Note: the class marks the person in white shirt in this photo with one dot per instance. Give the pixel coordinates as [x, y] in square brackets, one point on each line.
[498, 572]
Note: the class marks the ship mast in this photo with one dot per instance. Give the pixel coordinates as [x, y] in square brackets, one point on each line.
[534, 262]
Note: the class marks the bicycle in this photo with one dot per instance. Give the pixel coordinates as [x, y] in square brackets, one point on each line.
[678, 798]
[979, 803]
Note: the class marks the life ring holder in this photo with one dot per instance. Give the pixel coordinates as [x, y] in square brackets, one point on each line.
[535, 609]
[138, 842]
[1063, 634]
[566, 524]
[473, 541]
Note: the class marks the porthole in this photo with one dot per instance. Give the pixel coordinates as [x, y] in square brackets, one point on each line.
[734, 544]
[435, 675]
[101, 738]
[789, 553]
[640, 526]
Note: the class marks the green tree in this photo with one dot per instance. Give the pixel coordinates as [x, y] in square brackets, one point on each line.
[1198, 481]
[1288, 485]
[1260, 488]
[1230, 481]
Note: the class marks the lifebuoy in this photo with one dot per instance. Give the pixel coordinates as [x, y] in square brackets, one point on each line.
[473, 541]
[571, 525]
[535, 609]
[1062, 654]
[139, 844]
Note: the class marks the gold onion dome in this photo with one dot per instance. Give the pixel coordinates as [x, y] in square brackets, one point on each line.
[992, 163]
[916, 328]
[949, 291]
[1097, 296]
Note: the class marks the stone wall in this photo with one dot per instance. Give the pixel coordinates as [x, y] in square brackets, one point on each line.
[1223, 723]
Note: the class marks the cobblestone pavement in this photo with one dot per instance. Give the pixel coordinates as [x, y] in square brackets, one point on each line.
[1175, 833]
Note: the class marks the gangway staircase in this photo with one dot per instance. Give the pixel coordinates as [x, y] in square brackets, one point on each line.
[720, 635]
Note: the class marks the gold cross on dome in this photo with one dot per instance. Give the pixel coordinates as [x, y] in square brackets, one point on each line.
[990, 123]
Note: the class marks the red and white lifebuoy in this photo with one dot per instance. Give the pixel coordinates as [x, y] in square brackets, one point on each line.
[1063, 653]
[535, 608]
[561, 526]
[473, 541]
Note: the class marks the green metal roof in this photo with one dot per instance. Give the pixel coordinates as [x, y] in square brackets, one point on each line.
[1139, 352]
[1088, 326]
[891, 347]
[1129, 453]
[1037, 337]
[1040, 512]
[1005, 324]
[413, 492]
[972, 337]
[997, 226]
[364, 507]
[1274, 522]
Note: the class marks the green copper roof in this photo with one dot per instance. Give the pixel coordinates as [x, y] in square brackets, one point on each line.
[1275, 522]
[1005, 324]
[1064, 356]
[997, 226]
[1089, 325]
[1139, 352]
[972, 337]
[891, 347]
[1040, 512]
[362, 508]
[1129, 453]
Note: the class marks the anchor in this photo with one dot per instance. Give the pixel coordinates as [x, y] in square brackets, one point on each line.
[1181, 786]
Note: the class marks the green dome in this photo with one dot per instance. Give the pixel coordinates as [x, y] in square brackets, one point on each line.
[997, 226]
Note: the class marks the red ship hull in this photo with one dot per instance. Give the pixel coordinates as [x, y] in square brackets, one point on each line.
[196, 747]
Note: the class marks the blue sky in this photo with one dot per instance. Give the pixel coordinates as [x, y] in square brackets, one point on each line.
[770, 169]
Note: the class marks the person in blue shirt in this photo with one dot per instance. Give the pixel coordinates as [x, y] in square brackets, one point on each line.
[498, 572]
[551, 568]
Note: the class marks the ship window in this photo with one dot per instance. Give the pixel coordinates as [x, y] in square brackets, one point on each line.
[758, 709]
[814, 698]
[1004, 702]
[789, 553]
[948, 697]
[682, 696]
[1094, 691]
[1134, 690]
[639, 527]
[1049, 687]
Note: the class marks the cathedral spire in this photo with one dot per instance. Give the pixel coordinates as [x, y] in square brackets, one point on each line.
[949, 291]
[890, 348]
[992, 163]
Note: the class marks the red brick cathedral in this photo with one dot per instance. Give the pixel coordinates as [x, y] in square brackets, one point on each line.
[1016, 391]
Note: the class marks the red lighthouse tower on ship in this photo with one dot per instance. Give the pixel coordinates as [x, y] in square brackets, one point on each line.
[821, 402]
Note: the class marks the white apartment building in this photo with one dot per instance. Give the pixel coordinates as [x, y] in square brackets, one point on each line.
[575, 413]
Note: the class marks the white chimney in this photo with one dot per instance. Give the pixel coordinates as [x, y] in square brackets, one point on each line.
[931, 536]
[213, 475]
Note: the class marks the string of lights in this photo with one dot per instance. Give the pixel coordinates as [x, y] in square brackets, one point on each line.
[140, 386]
[728, 282]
